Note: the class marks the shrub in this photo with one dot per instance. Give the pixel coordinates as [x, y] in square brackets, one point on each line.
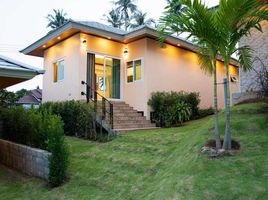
[40, 130]
[173, 108]
[205, 112]
[76, 116]
[58, 161]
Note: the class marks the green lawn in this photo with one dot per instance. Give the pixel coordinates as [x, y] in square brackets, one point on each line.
[161, 164]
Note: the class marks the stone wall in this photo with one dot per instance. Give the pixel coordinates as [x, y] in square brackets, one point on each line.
[258, 41]
[31, 161]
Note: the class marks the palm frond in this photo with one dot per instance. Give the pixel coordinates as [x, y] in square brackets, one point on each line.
[245, 57]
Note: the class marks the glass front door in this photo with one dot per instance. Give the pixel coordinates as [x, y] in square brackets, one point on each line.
[107, 76]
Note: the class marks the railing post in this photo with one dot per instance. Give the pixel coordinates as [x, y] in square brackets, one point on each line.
[95, 102]
[103, 108]
[112, 115]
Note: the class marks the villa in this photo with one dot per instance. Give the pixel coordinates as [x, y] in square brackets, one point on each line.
[124, 67]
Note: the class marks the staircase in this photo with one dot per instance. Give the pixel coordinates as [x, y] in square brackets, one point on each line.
[125, 118]
[114, 116]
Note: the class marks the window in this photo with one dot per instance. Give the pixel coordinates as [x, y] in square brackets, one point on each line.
[58, 71]
[134, 71]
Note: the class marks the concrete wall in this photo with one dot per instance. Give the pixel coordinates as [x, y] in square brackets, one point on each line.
[31, 161]
[258, 41]
[175, 69]
[67, 89]
[164, 69]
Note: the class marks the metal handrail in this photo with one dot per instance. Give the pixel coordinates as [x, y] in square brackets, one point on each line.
[95, 100]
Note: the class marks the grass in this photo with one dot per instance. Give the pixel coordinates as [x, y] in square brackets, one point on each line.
[161, 164]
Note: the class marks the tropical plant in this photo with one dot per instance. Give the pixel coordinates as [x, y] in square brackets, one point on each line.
[183, 112]
[140, 19]
[235, 19]
[125, 7]
[56, 20]
[198, 21]
[114, 18]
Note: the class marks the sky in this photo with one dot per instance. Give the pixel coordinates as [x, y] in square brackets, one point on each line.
[24, 21]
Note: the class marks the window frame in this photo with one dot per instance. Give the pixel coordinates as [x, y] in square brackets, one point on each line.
[53, 71]
[134, 70]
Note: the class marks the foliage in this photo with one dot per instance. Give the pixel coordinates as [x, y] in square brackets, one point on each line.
[205, 112]
[140, 19]
[58, 160]
[173, 108]
[8, 98]
[57, 19]
[76, 116]
[39, 130]
[125, 8]
[161, 164]
[114, 18]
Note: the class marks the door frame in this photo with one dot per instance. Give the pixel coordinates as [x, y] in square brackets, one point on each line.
[121, 72]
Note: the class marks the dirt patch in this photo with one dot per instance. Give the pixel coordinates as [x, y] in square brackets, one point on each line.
[212, 144]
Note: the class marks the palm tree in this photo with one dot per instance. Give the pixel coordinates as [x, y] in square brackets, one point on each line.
[198, 21]
[175, 7]
[236, 18]
[114, 18]
[140, 19]
[125, 7]
[56, 20]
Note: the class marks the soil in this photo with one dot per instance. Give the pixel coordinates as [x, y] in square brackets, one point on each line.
[212, 144]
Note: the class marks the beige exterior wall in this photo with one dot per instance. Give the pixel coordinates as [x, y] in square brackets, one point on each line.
[164, 69]
[67, 89]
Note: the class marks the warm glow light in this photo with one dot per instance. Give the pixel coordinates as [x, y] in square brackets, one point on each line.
[59, 38]
[125, 53]
[109, 38]
[44, 46]
[84, 43]
[178, 45]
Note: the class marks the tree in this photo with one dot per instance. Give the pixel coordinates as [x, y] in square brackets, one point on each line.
[7, 98]
[235, 19]
[114, 18]
[175, 7]
[140, 19]
[21, 93]
[56, 20]
[198, 21]
[125, 7]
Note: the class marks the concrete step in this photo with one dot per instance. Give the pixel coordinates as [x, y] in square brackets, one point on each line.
[127, 126]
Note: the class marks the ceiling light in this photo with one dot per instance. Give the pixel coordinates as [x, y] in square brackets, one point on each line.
[44, 46]
[178, 45]
[59, 38]
[109, 38]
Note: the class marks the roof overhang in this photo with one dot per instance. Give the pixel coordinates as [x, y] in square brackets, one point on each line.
[71, 28]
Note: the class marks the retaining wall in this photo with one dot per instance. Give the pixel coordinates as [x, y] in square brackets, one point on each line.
[31, 161]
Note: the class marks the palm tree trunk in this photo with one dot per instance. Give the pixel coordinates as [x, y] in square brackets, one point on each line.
[227, 138]
[216, 120]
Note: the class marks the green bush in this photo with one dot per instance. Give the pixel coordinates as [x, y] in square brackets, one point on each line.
[58, 161]
[205, 112]
[41, 130]
[173, 108]
[76, 116]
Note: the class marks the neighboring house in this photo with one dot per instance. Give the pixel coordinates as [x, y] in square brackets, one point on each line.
[122, 66]
[32, 99]
[13, 72]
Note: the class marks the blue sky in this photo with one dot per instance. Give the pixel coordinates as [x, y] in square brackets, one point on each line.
[23, 22]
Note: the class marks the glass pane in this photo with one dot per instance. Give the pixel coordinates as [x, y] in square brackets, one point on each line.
[108, 79]
[55, 72]
[116, 79]
[99, 74]
[60, 70]
[137, 64]
[130, 72]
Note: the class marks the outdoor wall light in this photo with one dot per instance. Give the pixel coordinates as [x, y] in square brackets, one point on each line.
[125, 53]
[84, 43]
